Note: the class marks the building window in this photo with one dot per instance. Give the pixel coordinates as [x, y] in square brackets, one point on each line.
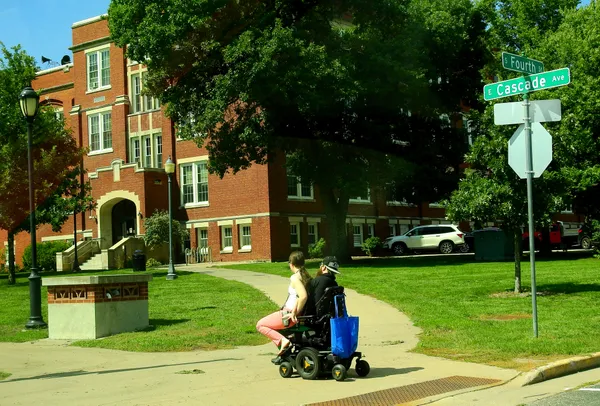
[392, 230]
[404, 228]
[159, 150]
[295, 234]
[100, 131]
[364, 197]
[202, 237]
[59, 114]
[313, 233]
[194, 179]
[226, 239]
[147, 150]
[370, 230]
[358, 235]
[141, 103]
[298, 189]
[245, 237]
[98, 69]
[135, 150]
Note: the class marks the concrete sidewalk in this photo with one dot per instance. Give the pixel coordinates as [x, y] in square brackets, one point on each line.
[54, 373]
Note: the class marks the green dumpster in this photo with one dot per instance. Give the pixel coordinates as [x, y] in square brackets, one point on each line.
[492, 244]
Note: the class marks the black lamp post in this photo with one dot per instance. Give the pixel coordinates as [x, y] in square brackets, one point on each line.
[169, 169]
[29, 101]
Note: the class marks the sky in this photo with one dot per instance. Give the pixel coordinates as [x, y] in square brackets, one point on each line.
[43, 27]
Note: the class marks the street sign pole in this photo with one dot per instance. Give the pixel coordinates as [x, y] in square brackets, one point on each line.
[529, 166]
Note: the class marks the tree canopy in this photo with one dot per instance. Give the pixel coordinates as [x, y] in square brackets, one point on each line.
[355, 93]
[55, 153]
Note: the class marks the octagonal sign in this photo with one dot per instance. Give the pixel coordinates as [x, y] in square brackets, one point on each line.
[541, 145]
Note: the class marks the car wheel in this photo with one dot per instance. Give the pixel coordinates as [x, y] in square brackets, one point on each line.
[399, 248]
[464, 248]
[446, 247]
[586, 243]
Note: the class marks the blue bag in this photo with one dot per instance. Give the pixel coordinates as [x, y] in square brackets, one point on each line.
[344, 332]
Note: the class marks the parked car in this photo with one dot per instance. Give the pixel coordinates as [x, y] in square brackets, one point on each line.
[559, 238]
[444, 238]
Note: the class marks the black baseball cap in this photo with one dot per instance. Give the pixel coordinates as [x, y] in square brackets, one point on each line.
[331, 263]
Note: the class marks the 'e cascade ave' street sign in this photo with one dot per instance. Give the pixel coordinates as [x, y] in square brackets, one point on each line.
[521, 64]
[526, 84]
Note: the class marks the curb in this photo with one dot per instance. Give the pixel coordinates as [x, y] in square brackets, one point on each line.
[562, 368]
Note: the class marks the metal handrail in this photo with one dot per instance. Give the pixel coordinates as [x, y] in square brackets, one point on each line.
[198, 255]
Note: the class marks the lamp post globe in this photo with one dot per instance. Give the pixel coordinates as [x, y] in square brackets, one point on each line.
[170, 169]
[29, 102]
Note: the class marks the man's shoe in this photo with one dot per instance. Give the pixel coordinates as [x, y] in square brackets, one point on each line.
[277, 360]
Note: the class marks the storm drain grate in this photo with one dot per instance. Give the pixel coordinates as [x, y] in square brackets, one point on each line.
[412, 392]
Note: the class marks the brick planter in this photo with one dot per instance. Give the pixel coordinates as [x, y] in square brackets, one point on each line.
[89, 307]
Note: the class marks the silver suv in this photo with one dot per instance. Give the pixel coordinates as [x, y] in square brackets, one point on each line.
[442, 237]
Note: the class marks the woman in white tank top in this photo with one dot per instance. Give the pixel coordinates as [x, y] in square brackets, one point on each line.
[294, 304]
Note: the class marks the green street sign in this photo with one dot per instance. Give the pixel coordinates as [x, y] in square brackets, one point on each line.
[521, 64]
[526, 84]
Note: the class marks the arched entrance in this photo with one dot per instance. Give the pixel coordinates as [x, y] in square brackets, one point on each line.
[117, 217]
[123, 218]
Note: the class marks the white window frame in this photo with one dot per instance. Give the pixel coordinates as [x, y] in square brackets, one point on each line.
[360, 200]
[226, 246]
[146, 149]
[101, 132]
[97, 53]
[298, 195]
[370, 230]
[141, 103]
[200, 241]
[295, 225]
[195, 183]
[392, 230]
[404, 228]
[357, 242]
[245, 245]
[316, 232]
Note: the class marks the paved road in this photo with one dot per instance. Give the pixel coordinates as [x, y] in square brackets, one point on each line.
[586, 396]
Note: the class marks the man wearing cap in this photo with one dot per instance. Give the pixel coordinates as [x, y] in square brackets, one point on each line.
[324, 278]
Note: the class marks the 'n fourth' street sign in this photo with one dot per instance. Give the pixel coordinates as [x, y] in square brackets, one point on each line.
[521, 64]
[531, 83]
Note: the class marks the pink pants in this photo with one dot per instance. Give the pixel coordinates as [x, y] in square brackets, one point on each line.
[269, 325]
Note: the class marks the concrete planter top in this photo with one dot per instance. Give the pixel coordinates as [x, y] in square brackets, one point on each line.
[95, 280]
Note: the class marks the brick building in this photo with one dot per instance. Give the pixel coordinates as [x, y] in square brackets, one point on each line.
[257, 214]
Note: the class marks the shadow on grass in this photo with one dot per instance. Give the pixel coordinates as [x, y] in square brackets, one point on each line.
[112, 371]
[417, 261]
[164, 322]
[568, 287]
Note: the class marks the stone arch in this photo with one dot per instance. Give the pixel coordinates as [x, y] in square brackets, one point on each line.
[106, 203]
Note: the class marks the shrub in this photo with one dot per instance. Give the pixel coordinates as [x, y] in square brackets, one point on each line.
[316, 250]
[157, 230]
[371, 245]
[46, 254]
[151, 263]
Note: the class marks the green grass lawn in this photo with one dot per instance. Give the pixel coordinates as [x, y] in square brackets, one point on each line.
[192, 312]
[467, 311]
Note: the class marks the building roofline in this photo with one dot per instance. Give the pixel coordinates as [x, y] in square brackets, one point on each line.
[89, 21]
[54, 69]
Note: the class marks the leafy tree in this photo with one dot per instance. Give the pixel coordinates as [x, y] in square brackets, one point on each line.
[346, 90]
[157, 230]
[54, 152]
[491, 191]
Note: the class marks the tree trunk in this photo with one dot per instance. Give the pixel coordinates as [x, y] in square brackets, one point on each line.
[336, 210]
[517, 239]
[12, 278]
